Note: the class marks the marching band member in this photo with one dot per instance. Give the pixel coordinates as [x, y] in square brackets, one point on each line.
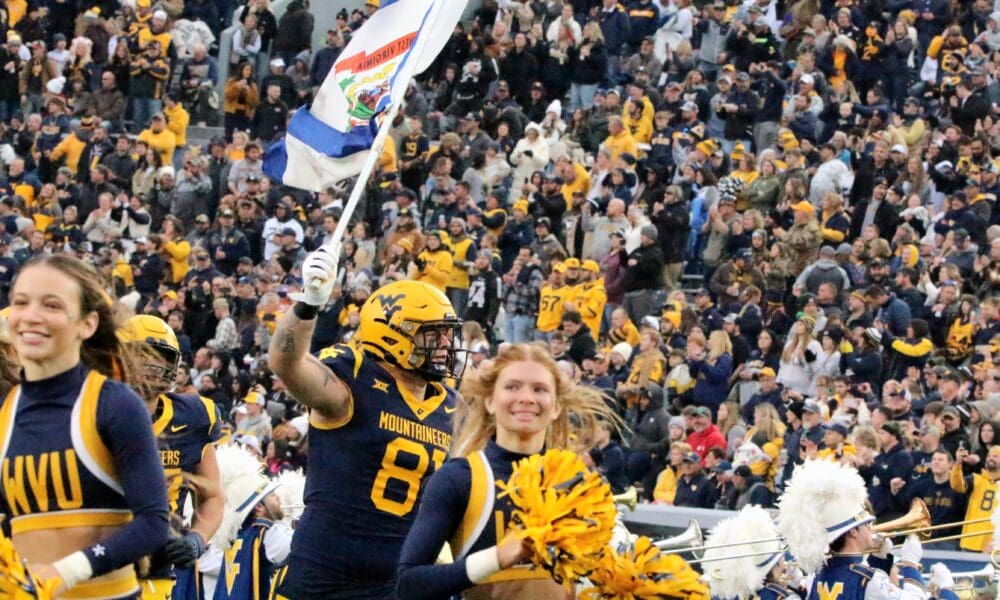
[823, 518]
[83, 490]
[380, 424]
[517, 406]
[252, 538]
[258, 577]
[760, 575]
[187, 427]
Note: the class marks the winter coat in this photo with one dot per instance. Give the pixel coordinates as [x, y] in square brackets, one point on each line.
[895, 314]
[295, 29]
[702, 441]
[536, 159]
[652, 430]
[824, 271]
[590, 69]
[804, 242]
[613, 271]
[673, 226]
[647, 274]
[520, 69]
[712, 381]
[615, 27]
[773, 398]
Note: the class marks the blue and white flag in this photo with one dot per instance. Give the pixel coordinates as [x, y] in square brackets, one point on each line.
[329, 141]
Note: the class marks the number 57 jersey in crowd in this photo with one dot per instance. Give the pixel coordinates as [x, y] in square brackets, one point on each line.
[366, 474]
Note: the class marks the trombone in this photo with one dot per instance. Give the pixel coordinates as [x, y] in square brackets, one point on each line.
[916, 521]
[628, 499]
[690, 540]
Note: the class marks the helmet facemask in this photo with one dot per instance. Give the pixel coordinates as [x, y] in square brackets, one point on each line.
[432, 359]
[160, 364]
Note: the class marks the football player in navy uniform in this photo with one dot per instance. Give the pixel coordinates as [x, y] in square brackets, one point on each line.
[823, 518]
[83, 491]
[518, 405]
[187, 427]
[379, 425]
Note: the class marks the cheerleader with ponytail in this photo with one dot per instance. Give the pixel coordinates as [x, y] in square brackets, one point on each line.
[85, 497]
[551, 515]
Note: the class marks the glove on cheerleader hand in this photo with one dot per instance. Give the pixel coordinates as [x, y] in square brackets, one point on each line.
[319, 272]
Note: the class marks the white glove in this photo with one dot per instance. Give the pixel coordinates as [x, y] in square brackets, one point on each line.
[941, 577]
[884, 549]
[911, 551]
[319, 272]
[795, 577]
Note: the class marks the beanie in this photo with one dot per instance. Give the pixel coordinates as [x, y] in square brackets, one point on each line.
[623, 349]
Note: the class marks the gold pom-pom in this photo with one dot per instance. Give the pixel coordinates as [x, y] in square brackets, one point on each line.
[639, 571]
[17, 582]
[563, 511]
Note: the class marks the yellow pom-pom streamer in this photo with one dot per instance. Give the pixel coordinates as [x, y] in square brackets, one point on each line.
[640, 571]
[16, 581]
[563, 511]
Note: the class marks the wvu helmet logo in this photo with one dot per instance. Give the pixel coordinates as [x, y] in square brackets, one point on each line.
[390, 304]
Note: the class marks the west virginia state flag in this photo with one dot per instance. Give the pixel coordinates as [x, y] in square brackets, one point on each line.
[330, 140]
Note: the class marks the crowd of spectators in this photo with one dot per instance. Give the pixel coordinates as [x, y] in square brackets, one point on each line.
[768, 231]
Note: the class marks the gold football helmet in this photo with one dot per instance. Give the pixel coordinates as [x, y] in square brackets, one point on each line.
[159, 337]
[413, 325]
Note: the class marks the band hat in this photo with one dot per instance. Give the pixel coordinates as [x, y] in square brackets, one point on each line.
[245, 486]
[742, 577]
[822, 501]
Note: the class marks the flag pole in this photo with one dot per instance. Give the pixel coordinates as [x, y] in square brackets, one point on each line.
[375, 152]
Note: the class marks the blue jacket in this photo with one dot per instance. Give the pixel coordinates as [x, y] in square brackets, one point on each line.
[615, 27]
[895, 314]
[696, 492]
[889, 465]
[773, 398]
[712, 381]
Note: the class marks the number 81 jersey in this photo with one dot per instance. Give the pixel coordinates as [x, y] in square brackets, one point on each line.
[366, 473]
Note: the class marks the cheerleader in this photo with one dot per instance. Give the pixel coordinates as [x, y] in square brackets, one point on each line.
[84, 492]
[517, 405]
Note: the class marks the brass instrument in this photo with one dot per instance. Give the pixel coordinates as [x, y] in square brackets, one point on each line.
[690, 540]
[965, 582]
[629, 498]
[918, 521]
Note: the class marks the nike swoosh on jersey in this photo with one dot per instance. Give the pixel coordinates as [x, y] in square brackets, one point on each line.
[176, 428]
[448, 411]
